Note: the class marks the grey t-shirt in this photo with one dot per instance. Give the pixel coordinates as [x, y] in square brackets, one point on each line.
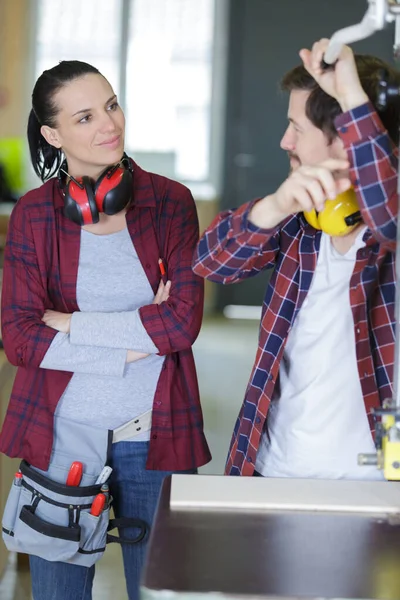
[111, 286]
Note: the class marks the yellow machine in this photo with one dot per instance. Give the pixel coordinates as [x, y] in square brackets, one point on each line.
[389, 453]
[387, 442]
[387, 432]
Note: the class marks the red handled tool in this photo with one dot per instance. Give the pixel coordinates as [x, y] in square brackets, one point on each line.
[162, 267]
[75, 473]
[18, 478]
[98, 505]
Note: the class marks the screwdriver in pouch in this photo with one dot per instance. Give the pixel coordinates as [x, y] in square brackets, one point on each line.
[18, 478]
[98, 505]
[75, 473]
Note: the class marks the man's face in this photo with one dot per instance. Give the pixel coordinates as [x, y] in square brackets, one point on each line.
[305, 143]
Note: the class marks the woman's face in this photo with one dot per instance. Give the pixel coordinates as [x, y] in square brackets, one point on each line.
[90, 125]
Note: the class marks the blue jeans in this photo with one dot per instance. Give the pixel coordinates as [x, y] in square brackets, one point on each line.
[135, 491]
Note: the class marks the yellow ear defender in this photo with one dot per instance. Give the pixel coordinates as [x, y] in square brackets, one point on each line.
[339, 217]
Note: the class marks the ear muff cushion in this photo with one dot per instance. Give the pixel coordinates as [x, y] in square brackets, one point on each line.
[107, 182]
[79, 202]
[113, 191]
[312, 218]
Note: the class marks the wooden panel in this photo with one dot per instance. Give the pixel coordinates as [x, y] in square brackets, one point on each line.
[14, 64]
[207, 210]
[7, 466]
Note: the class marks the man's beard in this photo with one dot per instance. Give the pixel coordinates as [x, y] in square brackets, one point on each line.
[292, 156]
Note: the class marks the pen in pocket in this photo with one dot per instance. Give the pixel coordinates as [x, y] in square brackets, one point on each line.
[104, 475]
[18, 478]
[163, 270]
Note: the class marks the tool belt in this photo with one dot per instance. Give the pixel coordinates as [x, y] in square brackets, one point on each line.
[47, 518]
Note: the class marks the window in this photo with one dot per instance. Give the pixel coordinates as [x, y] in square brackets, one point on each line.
[168, 94]
[84, 30]
[159, 57]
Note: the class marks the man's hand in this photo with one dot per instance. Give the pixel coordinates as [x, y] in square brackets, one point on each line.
[57, 320]
[162, 293]
[306, 188]
[341, 82]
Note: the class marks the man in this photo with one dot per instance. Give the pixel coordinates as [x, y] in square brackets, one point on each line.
[326, 345]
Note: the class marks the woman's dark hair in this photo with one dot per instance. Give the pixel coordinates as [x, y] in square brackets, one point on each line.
[322, 109]
[46, 159]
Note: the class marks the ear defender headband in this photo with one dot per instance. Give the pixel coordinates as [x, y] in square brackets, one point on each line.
[339, 217]
[85, 199]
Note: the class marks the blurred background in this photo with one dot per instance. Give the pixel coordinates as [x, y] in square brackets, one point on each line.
[199, 83]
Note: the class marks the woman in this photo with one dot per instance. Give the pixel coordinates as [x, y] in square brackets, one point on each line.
[99, 311]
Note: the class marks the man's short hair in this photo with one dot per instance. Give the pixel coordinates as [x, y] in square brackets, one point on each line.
[322, 109]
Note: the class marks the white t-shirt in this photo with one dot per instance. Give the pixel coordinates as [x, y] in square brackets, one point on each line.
[317, 421]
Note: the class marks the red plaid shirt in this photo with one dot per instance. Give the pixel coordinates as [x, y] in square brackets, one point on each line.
[40, 272]
[233, 249]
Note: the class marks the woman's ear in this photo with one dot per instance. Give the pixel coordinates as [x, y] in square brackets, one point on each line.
[51, 136]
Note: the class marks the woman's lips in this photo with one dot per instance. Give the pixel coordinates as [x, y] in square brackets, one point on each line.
[111, 143]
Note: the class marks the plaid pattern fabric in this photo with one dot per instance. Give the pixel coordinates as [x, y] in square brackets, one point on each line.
[232, 249]
[40, 272]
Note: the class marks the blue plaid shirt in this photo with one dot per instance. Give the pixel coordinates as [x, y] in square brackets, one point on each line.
[233, 249]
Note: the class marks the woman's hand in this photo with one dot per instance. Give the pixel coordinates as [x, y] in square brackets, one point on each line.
[62, 321]
[161, 296]
[162, 292]
[133, 356]
[57, 320]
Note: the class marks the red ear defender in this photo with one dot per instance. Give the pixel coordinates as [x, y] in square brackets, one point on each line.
[84, 200]
[79, 202]
[113, 190]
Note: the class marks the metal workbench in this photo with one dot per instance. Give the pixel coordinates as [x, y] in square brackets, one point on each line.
[274, 554]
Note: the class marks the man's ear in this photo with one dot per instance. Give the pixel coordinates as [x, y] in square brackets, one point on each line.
[51, 136]
[338, 148]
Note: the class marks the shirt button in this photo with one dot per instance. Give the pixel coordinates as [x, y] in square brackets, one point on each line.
[343, 129]
[154, 437]
[270, 377]
[158, 403]
[249, 459]
[215, 253]
[258, 420]
[358, 331]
